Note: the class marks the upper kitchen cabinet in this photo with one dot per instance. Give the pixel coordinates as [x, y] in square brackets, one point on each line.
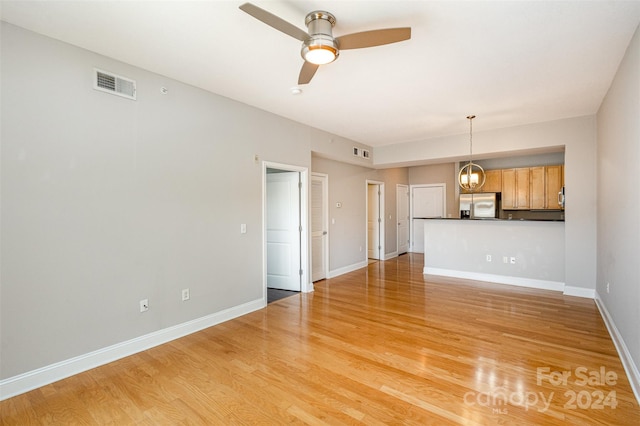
[493, 182]
[546, 183]
[554, 181]
[516, 189]
[537, 191]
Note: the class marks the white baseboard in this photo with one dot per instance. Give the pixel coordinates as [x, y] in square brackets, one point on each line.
[625, 357]
[588, 293]
[52, 373]
[390, 255]
[346, 269]
[498, 279]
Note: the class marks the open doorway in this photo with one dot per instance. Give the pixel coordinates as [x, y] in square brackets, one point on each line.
[285, 225]
[375, 224]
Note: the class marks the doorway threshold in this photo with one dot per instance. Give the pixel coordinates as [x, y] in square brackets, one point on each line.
[274, 294]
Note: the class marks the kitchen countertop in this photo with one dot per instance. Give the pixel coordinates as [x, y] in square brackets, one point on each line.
[490, 219]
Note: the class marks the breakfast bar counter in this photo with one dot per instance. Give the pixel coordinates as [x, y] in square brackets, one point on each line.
[528, 253]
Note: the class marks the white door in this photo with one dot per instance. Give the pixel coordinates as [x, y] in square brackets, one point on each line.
[402, 212]
[319, 227]
[427, 201]
[373, 221]
[283, 230]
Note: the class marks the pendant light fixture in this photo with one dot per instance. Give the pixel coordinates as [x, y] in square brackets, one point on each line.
[471, 177]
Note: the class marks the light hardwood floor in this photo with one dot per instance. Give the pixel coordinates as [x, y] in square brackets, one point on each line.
[382, 345]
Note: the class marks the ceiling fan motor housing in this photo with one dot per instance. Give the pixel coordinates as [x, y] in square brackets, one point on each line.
[319, 25]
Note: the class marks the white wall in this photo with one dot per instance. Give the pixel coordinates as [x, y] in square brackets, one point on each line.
[106, 201]
[619, 202]
[577, 135]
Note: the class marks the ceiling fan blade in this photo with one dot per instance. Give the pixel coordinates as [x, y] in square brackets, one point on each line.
[373, 38]
[307, 72]
[274, 21]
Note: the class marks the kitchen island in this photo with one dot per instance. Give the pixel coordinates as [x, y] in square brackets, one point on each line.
[527, 253]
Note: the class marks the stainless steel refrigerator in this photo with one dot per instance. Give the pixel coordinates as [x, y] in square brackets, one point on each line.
[482, 205]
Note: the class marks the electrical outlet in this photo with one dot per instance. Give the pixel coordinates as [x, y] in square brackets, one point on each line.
[144, 305]
[488, 258]
[513, 260]
[185, 294]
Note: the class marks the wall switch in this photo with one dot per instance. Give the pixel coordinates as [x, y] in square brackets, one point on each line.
[243, 228]
[185, 294]
[144, 305]
[488, 258]
[607, 288]
[505, 259]
[513, 260]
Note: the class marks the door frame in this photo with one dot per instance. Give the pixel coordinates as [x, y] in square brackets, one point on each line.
[305, 284]
[381, 252]
[408, 219]
[325, 217]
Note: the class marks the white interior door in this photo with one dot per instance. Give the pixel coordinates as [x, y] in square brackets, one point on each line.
[427, 201]
[319, 227]
[373, 221]
[402, 213]
[283, 230]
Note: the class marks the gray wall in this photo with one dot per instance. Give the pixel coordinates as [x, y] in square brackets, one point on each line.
[576, 135]
[347, 185]
[459, 248]
[619, 199]
[106, 201]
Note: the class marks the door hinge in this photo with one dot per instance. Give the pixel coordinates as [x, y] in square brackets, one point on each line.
[379, 220]
[300, 272]
[299, 185]
[300, 228]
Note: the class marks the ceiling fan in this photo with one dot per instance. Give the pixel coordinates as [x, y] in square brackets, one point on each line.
[319, 47]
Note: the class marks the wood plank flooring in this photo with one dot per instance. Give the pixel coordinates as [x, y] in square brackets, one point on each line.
[382, 345]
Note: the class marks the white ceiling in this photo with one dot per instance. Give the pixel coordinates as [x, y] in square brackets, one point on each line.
[508, 62]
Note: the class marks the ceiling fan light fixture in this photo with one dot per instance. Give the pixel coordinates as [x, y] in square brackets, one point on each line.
[320, 50]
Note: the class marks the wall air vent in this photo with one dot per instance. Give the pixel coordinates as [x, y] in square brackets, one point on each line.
[114, 84]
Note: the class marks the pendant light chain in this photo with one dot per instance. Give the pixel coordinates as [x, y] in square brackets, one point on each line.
[471, 117]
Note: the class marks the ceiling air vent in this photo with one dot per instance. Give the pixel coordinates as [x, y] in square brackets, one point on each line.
[114, 84]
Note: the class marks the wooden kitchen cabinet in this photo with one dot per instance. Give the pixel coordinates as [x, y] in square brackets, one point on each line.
[537, 190]
[545, 182]
[516, 189]
[554, 181]
[493, 182]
